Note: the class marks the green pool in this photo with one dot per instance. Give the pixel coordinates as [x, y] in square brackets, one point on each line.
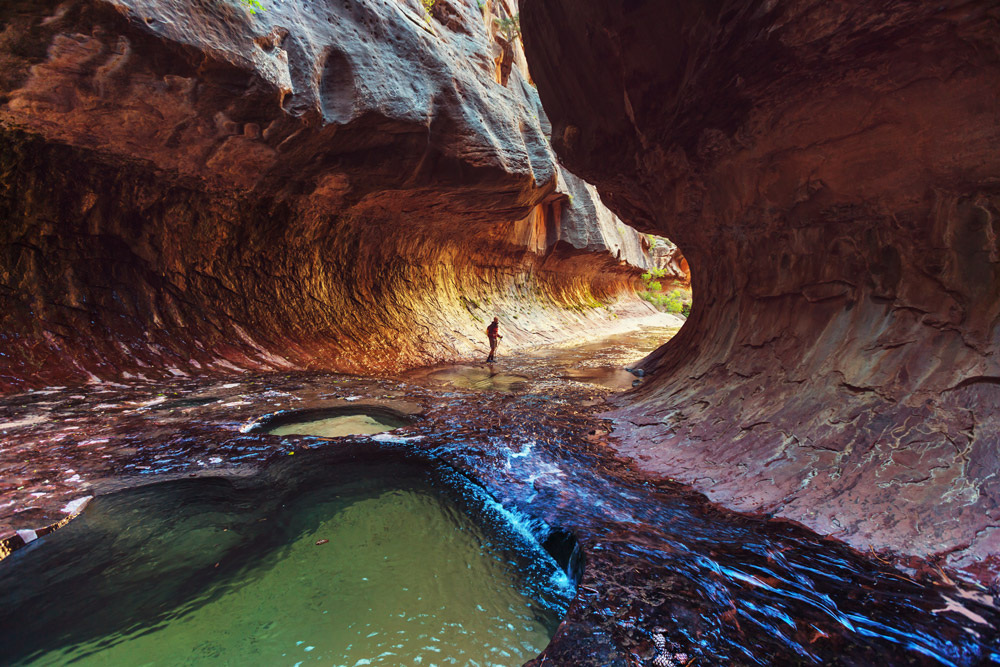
[390, 563]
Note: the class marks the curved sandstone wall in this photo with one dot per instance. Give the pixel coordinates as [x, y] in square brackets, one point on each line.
[830, 171]
[187, 187]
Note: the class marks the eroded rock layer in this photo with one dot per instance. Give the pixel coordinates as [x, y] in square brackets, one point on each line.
[188, 187]
[831, 172]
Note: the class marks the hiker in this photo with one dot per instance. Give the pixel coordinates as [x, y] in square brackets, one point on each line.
[493, 333]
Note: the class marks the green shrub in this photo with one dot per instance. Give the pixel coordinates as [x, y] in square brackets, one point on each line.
[509, 28]
[651, 279]
[673, 302]
[254, 5]
[670, 303]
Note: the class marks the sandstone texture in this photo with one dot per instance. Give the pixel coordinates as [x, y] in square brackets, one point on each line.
[187, 188]
[831, 172]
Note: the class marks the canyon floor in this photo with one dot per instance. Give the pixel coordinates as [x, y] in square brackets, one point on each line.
[666, 576]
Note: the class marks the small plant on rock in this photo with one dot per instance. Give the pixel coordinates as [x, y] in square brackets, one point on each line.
[509, 28]
[254, 5]
[673, 302]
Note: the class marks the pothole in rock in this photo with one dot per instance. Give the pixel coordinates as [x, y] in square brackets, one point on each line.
[334, 422]
[382, 561]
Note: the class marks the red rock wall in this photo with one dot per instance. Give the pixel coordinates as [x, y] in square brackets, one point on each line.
[831, 172]
[190, 188]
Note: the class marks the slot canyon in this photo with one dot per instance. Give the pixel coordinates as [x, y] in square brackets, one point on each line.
[248, 256]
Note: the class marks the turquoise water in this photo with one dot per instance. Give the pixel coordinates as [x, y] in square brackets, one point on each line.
[382, 565]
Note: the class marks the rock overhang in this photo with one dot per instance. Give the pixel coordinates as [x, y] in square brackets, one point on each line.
[357, 163]
[830, 173]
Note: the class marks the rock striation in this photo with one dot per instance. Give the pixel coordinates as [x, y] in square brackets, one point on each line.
[831, 173]
[188, 187]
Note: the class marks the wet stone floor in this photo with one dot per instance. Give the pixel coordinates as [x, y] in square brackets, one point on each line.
[667, 579]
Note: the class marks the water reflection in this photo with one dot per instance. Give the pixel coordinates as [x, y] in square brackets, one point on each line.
[484, 377]
[335, 422]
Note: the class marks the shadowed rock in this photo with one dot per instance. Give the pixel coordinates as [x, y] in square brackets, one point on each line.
[830, 172]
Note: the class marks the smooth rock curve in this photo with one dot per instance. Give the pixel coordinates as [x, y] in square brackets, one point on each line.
[830, 171]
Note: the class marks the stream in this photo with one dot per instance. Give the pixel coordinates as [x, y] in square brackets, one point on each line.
[664, 577]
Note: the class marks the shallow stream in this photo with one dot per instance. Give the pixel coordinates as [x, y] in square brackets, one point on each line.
[667, 578]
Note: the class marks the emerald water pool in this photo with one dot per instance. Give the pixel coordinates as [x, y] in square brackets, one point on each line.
[380, 563]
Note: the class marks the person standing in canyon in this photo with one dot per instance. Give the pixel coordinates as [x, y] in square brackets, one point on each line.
[493, 333]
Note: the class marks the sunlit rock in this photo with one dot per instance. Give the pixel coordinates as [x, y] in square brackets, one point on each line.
[192, 188]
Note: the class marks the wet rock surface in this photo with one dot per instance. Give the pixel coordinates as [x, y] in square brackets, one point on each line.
[829, 171]
[664, 573]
